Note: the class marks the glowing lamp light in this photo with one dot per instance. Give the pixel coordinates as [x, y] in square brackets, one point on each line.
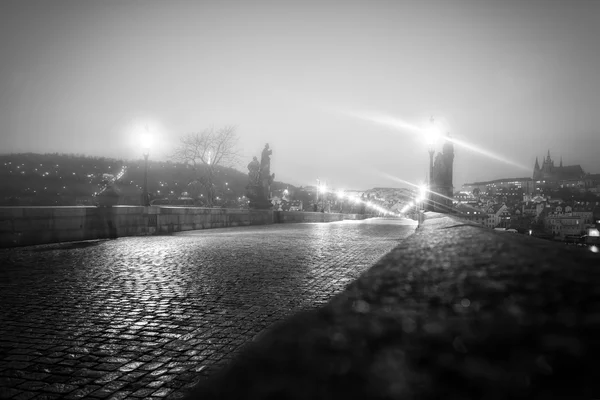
[594, 232]
[432, 134]
[145, 139]
[341, 194]
[322, 188]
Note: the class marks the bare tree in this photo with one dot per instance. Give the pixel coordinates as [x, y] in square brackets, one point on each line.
[205, 152]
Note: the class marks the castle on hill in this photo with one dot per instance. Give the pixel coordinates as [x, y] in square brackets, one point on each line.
[546, 176]
[550, 172]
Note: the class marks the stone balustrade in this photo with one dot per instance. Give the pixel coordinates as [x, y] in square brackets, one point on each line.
[22, 226]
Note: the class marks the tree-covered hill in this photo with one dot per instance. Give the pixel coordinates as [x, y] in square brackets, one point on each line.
[71, 179]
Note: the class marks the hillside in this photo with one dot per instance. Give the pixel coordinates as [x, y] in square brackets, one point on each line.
[69, 179]
[391, 198]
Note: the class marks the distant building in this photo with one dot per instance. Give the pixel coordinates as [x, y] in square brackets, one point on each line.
[464, 197]
[526, 184]
[498, 215]
[549, 175]
[471, 213]
[592, 183]
[565, 220]
[296, 205]
[564, 225]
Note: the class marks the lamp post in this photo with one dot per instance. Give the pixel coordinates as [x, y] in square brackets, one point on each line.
[323, 189]
[431, 137]
[429, 196]
[341, 197]
[145, 197]
[420, 202]
[146, 139]
[317, 200]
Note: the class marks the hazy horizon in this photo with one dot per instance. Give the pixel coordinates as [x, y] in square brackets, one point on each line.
[315, 80]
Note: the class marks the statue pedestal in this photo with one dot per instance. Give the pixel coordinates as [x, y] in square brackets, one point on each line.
[107, 200]
[108, 197]
[258, 198]
[260, 204]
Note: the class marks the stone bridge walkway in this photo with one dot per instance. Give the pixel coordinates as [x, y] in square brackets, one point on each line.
[147, 317]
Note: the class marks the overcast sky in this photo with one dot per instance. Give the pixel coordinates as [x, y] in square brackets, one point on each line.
[514, 78]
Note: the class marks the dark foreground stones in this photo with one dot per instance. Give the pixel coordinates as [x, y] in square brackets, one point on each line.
[454, 312]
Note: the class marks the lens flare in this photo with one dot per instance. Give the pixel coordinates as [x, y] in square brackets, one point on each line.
[431, 133]
[486, 153]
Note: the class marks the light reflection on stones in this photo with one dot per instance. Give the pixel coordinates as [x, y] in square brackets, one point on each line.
[185, 302]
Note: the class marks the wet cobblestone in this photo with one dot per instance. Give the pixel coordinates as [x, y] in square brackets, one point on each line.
[146, 317]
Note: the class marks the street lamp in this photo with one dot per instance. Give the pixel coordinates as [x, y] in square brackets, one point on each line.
[432, 134]
[341, 196]
[146, 142]
[422, 192]
[323, 190]
[317, 200]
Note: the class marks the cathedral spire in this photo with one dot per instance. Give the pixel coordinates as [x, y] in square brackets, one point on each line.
[537, 164]
[561, 161]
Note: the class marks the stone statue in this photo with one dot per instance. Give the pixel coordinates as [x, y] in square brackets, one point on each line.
[260, 180]
[265, 161]
[254, 171]
[266, 178]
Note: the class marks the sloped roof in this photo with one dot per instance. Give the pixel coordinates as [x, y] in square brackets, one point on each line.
[497, 207]
[568, 172]
[467, 208]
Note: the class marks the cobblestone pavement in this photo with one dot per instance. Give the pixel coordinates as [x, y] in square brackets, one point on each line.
[147, 317]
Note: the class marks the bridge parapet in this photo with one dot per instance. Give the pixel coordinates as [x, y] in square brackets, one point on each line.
[23, 226]
[455, 311]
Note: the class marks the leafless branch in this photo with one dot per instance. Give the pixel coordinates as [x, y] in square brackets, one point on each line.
[211, 149]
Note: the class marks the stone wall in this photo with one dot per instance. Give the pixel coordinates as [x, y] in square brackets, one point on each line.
[23, 226]
[302, 216]
[173, 219]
